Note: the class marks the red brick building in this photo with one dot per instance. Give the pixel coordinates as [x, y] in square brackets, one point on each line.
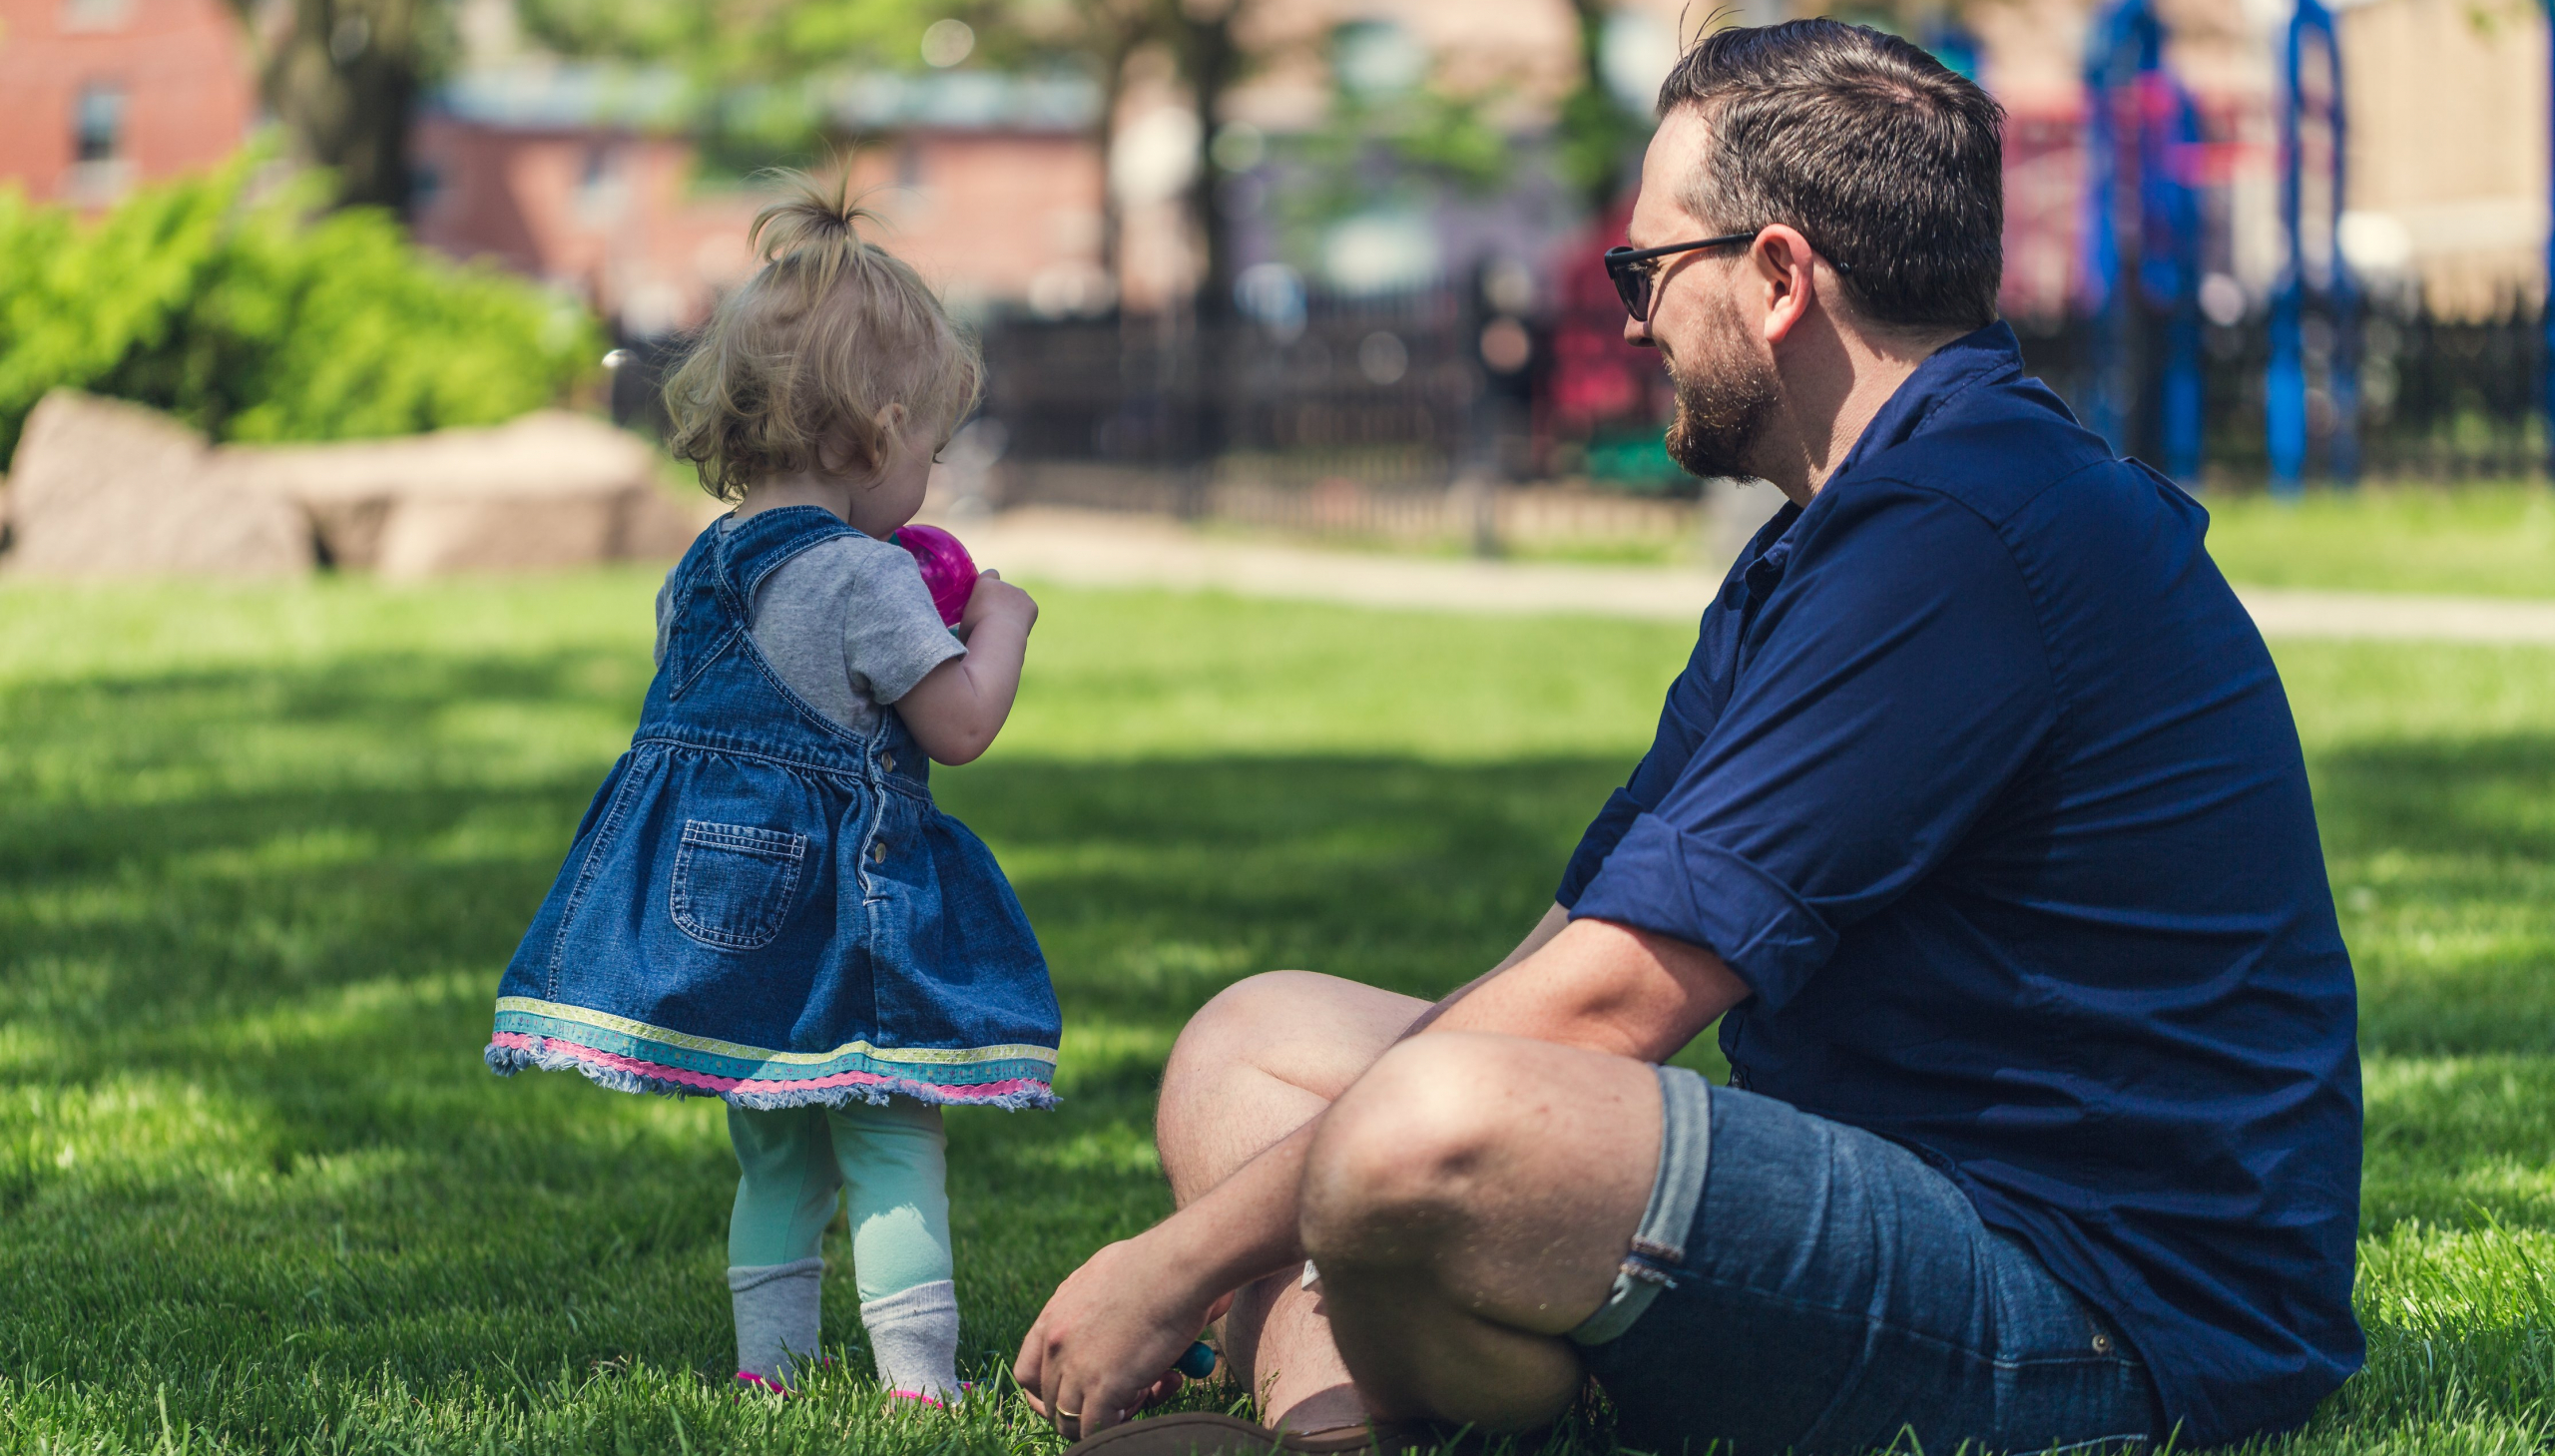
[571, 173]
[96, 95]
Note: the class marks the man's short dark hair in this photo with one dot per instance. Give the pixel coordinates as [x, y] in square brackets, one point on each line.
[1892, 165]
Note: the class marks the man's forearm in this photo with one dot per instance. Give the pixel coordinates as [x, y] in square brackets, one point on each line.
[1604, 987]
[1545, 929]
[1243, 1228]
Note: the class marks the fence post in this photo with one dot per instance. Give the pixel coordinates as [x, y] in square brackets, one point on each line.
[1476, 497]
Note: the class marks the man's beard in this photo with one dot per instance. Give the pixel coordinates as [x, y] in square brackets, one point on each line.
[1723, 399]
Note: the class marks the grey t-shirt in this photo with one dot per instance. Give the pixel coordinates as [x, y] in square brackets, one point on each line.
[848, 625]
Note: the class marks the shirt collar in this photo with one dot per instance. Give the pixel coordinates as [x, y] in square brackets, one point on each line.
[1982, 355]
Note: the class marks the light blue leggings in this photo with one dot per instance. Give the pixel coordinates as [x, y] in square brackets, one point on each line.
[894, 1159]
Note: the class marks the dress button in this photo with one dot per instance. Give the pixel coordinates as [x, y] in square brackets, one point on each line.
[887, 762]
[2102, 1344]
[878, 851]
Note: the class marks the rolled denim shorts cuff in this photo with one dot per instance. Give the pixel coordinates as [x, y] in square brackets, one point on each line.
[1658, 1247]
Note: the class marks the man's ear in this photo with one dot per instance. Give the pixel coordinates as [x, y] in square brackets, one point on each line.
[1781, 258]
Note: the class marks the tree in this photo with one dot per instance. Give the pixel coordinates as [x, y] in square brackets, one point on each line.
[344, 77]
[750, 63]
[1597, 131]
[1103, 36]
[1211, 60]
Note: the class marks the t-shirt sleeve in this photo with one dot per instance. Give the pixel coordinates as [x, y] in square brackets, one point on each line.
[1896, 681]
[892, 637]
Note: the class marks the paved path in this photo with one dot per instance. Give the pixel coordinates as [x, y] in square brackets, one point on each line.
[1075, 547]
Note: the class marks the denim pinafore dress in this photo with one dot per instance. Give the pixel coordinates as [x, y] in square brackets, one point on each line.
[765, 906]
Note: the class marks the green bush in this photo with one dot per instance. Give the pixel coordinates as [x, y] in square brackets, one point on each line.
[255, 317]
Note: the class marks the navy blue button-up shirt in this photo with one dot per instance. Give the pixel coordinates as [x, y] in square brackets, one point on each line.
[1982, 780]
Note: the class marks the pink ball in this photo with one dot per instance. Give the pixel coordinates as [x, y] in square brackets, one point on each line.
[947, 569]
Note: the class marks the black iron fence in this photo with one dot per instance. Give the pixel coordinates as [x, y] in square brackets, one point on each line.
[1390, 391]
[2440, 399]
[1400, 393]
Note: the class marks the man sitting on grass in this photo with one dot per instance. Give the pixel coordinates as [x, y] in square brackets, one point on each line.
[1979, 822]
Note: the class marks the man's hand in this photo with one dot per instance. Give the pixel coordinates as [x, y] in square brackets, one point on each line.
[1104, 1346]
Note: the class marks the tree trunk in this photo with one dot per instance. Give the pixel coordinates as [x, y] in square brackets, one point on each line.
[1113, 54]
[1594, 126]
[344, 77]
[1210, 62]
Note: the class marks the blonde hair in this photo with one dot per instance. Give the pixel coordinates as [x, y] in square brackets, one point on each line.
[826, 336]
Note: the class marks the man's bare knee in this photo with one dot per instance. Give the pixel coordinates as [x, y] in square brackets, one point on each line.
[1386, 1178]
[1233, 1025]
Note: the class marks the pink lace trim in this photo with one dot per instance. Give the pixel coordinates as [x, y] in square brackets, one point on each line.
[987, 1091]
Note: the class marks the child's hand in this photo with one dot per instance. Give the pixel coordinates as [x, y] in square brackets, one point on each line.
[995, 598]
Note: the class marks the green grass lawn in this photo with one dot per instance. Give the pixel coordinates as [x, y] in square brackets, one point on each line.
[264, 852]
[2473, 539]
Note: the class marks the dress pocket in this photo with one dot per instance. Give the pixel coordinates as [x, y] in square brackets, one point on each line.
[734, 884]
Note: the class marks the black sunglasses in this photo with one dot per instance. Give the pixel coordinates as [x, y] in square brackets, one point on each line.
[1633, 271]
[1633, 275]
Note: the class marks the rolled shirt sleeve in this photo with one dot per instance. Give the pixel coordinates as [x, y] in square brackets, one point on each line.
[1891, 688]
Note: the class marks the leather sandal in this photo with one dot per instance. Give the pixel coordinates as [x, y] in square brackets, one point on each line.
[1205, 1433]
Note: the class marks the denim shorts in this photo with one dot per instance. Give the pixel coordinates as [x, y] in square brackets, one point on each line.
[1800, 1285]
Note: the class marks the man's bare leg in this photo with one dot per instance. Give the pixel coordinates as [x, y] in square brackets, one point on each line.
[1469, 1201]
[1263, 1059]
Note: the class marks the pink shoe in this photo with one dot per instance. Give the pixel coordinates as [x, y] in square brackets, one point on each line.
[934, 1401]
[763, 1383]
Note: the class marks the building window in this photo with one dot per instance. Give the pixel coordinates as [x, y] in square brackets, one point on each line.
[96, 14]
[602, 189]
[97, 124]
[101, 168]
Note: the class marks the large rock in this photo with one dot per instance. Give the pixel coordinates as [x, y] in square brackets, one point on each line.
[546, 491]
[103, 488]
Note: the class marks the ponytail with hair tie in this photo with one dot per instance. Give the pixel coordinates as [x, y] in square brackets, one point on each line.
[815, 350]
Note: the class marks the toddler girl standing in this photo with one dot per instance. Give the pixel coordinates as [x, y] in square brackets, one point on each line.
[763, 904]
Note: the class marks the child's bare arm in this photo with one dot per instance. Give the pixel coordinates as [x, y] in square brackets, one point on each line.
[958, 707]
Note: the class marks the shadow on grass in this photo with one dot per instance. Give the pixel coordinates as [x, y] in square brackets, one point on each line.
[2442, 860]
[249, 923]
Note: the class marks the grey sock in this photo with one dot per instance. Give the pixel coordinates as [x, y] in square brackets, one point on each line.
[776, 1315]
[914, 1335]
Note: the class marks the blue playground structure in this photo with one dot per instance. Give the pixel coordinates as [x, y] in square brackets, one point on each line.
[2143, 259]
[2142, 239]
[2311, 94]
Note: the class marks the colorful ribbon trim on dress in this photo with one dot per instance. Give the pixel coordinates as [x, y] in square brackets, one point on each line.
[635, 1057]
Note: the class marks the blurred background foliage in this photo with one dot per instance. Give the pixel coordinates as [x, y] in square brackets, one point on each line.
[234, 302]
[344, 77]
